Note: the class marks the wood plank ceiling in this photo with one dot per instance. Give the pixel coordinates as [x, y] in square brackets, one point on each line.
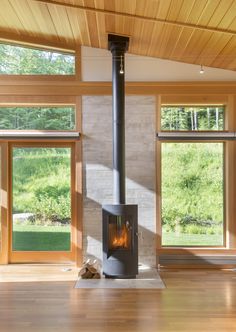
[190, 31]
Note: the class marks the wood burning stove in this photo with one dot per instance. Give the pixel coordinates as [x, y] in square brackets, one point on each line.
[120, 241]
[120, 221]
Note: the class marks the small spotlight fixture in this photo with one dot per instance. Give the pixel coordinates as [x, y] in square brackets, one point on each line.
[201, 70]
[121, 65]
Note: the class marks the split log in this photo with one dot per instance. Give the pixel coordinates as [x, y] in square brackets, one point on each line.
[90, 270]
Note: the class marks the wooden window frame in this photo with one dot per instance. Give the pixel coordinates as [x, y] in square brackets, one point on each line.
[46, 77]
[75, 255]
[229, 247]
[43, 90]
[223, 246]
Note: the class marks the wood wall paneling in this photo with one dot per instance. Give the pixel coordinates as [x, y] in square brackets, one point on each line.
[46, 86]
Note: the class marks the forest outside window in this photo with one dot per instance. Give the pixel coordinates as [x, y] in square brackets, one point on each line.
[192, 178]
[19, 60]
[38, 118]
[192, 118]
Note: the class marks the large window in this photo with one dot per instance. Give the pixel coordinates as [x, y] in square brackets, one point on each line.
[28, 61]
[41, 156]
[192, 177]
[192, 194]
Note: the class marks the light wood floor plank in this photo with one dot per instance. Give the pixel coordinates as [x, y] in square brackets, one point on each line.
[194, 300]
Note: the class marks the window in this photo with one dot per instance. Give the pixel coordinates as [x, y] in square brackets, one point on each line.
[41, 149]
[18, 60]
[37, 118]
[192, 176]
[192, 118]
[192, 194]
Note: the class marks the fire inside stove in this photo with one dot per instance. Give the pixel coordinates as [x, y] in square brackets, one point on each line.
[119, 233]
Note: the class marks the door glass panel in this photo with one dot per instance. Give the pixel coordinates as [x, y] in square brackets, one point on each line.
[192, 194]
[41, 212]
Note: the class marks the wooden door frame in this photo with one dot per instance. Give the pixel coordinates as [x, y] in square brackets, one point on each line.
[48, 256]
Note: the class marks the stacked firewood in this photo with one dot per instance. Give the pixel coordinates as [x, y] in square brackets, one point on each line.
[90, 270]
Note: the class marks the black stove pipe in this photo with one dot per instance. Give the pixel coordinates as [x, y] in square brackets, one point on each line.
[118, 45]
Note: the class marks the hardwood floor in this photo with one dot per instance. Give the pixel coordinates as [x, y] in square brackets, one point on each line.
[194, 300]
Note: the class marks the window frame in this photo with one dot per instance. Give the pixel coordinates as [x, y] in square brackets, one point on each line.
[194, 130]
[76, 53]
[43, 101]
[224, 245]
[73, 140]
[21, 132]
[195, 136]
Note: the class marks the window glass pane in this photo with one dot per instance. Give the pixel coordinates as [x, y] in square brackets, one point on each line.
[192, 194]
[24, 60]
[41, 199]
[192, 118]
[38, 118]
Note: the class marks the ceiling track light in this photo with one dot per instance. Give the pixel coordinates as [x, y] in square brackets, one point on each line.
[121, 65]
[201, 70]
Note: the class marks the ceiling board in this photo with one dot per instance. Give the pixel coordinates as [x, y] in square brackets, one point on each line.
[192, 31]
[220, 12]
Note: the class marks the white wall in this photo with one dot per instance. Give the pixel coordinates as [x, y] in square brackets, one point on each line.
[96, 66]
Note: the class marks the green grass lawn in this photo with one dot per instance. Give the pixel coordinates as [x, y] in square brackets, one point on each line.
[41, 238]
[182, 239]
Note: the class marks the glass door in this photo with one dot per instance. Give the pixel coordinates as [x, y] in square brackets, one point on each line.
[1, 237]
[41, 203]
[3, 202]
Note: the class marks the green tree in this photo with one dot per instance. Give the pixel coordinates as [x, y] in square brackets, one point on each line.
[24, 60]
[192, 118]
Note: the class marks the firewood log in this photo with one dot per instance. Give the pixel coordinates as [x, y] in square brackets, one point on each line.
[82, 271]
[91, 268]
[87, 275]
